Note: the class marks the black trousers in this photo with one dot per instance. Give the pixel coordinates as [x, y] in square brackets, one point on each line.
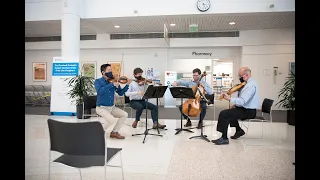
[203, 110]
[231, 116]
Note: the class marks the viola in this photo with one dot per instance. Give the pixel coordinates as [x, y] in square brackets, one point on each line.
[235, 88]
[192, 107]
[121, 79]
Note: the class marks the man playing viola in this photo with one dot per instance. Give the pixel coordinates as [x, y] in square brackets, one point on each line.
[196, 77]
[135, 93]
[105, 100]
[244, 107]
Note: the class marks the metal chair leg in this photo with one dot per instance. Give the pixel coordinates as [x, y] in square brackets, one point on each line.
[121, 165]
[80, 174]
[49, 164]
[105, 172]
[262, 128]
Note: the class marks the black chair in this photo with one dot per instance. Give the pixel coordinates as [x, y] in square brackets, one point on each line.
[89, 103]
[265, 109]
[83, 145]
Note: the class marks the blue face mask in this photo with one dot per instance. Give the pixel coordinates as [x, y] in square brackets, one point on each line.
[109, 74]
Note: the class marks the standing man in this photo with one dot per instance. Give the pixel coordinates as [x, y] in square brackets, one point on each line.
[105, 100]
[244, 107]
[135, 93]
[196, 77]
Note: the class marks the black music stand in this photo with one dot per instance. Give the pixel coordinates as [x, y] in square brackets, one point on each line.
[182, 92]
[204, 137]
[151, 92]
[158, 93]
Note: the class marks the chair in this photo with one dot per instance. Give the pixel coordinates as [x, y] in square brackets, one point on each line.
[83, 145]
[265, 109]
[89, 103]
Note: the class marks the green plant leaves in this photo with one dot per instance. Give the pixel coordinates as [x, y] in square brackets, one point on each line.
[80, 86]
[287, 93]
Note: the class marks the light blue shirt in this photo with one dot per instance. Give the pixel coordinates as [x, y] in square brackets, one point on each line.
[248, 96]
[189, 84]
[133, 90]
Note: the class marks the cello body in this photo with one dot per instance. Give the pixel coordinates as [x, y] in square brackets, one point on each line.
[192, 107]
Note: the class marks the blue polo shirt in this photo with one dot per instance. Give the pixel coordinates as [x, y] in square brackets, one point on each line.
[106, 90]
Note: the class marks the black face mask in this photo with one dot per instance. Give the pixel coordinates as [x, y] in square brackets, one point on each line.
[109, 74]
[139, 77]
[241, 79]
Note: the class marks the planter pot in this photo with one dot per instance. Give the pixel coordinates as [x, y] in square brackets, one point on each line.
[80, 112]
[291, 117]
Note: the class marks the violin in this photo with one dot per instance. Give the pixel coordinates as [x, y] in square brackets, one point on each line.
[148, 81]
[234, 89]
[121, 79]
[192, 107]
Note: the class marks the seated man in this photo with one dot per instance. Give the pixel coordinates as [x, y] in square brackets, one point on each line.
[196, 77]
[245, 106]
[135, 94]
[105, 100]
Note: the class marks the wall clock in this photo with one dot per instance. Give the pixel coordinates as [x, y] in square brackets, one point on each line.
[203, 5]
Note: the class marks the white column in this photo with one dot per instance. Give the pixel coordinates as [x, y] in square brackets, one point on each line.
[70, 30]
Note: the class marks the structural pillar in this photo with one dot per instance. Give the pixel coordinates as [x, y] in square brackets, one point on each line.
[70, 30]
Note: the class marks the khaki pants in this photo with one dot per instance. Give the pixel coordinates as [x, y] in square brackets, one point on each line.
[109, 113]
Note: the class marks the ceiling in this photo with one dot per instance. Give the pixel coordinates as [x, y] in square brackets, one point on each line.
[205, 22]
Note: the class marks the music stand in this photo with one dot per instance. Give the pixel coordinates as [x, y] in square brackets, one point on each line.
[182, 92]
[158, 93]
[151, 92]
[204, 137]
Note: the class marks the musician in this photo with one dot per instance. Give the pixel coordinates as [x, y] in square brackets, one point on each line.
[196, 77]
[244, 107]
[105, 100]
[135, 93]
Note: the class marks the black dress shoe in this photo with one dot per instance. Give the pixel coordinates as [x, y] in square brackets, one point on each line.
[200, 125]
[238, 134]
[222, 141]
[188, 123]
[215, 140]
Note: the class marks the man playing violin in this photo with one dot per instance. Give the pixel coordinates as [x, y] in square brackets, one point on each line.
[135, 93]
[196, 77]
[105, 100]
[244, 107]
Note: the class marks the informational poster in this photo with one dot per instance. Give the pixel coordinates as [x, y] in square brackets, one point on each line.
[61, 104]
[154, 75]
[169, 77]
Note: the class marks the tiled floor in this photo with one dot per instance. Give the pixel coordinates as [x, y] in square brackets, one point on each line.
[174, 157]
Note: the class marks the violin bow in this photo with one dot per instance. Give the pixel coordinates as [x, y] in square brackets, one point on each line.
[120, 68]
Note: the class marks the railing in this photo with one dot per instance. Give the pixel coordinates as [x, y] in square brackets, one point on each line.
[37, 95]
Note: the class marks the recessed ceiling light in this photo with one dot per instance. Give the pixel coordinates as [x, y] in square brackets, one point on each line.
[232, 23]
[116, 26]
[172, 24]
[216, 59]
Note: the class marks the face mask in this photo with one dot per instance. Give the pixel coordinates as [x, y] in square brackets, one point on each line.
[139, 77]
[241, 80]
[109, 74]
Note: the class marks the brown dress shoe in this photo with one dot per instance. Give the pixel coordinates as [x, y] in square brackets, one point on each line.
[159, 126]
[116, 135]
[134, 124]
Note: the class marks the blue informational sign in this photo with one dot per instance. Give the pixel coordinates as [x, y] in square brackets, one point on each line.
[65, 69]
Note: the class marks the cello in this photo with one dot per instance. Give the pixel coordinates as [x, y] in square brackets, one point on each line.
[192, 107]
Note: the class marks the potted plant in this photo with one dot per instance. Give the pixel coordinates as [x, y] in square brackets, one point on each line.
[80, 86]
[287, 98]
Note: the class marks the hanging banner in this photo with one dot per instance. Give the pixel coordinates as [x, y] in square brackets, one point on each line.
[61, 104]
[169, 78]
